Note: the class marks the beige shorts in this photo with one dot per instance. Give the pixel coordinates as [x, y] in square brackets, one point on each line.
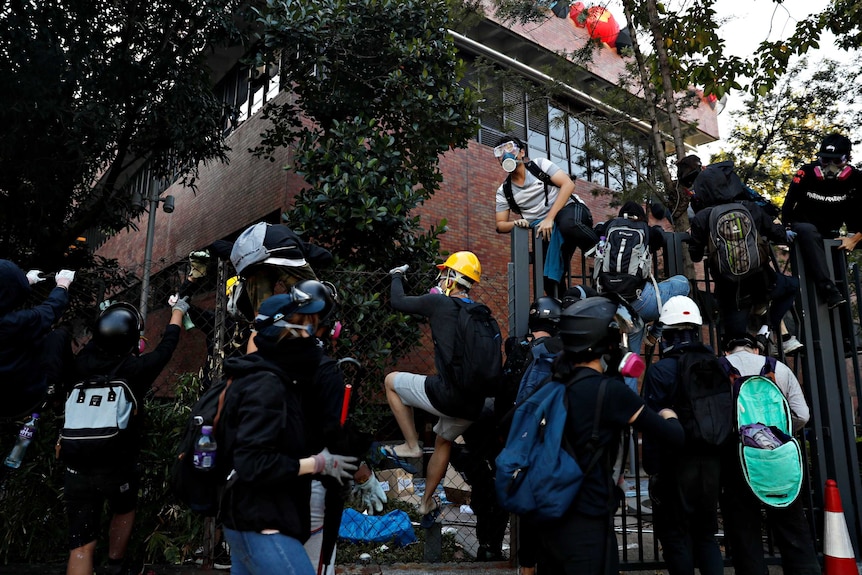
[410, 387]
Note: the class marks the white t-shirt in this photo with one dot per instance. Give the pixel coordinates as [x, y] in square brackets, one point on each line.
[531, 196]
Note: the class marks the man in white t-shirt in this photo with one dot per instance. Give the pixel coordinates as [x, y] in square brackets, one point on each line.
[542, 196]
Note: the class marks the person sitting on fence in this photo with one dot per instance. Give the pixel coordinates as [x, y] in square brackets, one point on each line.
[624, 268]
[824, 196]
[740, 508]
[684, 483]
[541, 195]
[33, 356]
[93, 478]
[456, 403]
[582, 541]
[753, 283]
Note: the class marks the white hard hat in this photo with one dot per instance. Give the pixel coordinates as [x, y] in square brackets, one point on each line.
[680, 310]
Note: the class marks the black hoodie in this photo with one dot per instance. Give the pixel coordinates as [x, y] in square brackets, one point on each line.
[264, 438]
[21, 335]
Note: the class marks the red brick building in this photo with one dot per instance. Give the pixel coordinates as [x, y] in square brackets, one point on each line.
[232, 196]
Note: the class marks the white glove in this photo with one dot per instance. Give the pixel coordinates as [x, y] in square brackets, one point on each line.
[372, 495]
[399, 270]
[64, 278]
[34, 277]
[340, 467]
[181, 305]
[172, 301]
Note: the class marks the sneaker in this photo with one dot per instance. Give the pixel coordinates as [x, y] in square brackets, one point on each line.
[791, 345]
[221, 560]
[834, 297]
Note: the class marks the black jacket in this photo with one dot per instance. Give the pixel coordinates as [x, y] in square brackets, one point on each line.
[139, 371]
[700, 229]
[263, 437]
[442, 313]
[825, 203]
[21, 335]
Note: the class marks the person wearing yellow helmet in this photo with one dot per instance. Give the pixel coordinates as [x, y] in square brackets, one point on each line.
[456, 405]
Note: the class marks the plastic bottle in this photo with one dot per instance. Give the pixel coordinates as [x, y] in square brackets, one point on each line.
[205, 450]
[25, 436]
[600, 248]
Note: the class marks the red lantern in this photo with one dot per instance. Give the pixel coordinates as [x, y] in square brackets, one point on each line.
[598, 21]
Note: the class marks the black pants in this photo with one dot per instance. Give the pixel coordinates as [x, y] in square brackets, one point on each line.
[475, 459]
[575, 223]
[810, 243]
[578, 545]
[685, 507]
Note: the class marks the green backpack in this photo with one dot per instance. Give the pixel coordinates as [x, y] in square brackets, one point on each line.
[770, 456]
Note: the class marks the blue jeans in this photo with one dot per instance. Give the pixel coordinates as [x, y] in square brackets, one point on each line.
[253, 553]
[648, 309]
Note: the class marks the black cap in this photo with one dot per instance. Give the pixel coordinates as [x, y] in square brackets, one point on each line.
[834, 146]
[733, 340]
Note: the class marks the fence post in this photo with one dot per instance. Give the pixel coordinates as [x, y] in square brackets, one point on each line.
[824, 372]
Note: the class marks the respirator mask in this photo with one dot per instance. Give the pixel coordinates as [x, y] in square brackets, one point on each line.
[833, 168]
[508, 155]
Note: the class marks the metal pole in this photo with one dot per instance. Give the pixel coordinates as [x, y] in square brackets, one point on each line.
[153, 199]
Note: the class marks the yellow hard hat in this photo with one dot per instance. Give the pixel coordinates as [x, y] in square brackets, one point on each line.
[229, 285]
[465, 263]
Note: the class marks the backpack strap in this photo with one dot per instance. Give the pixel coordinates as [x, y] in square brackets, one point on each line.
[510, 197]
[221, 397]
[593, 443]
[768, 369]
[540, 175]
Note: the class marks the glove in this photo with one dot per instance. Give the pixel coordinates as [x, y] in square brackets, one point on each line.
[182, 304]
[198, 261]
[372, 495]
[64, 278]
[400, 270]
[172, 301]
[34, 277]
[791, 235]
[340, 467]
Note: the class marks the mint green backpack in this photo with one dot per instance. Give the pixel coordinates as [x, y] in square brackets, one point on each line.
[770, 456]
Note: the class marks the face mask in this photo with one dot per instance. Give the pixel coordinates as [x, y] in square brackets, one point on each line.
[335, 332]
[435, 290]
[509, 163]
[631, 365]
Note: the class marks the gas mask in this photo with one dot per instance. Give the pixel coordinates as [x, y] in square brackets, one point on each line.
[508, 155]
[833, 168]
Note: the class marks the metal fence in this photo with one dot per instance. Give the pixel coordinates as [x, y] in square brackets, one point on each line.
[467, 515]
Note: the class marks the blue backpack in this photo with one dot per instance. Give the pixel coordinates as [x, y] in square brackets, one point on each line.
[538, 371]
[537, 473]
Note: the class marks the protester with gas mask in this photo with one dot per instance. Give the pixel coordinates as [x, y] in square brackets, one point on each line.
[582, 540]
[538, 194]
[265, 506]
[824, 196]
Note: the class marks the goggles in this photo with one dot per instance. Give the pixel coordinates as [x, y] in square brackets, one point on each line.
[507, 148]
[839, 161]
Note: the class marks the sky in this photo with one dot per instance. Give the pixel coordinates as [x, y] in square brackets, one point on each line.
[745, 24]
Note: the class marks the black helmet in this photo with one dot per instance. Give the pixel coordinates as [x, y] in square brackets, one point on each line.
[118, 328]
[545, 314]
[589, 325]
[320, 291]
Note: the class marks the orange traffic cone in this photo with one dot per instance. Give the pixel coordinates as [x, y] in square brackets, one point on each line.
[837, 548]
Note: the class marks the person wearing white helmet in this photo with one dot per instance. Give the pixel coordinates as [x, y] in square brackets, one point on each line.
[684, 482]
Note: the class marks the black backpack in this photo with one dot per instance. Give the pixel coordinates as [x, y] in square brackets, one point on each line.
[201, 490]
[624, 263]
[477, 364]
[98, 415]
[540, 174]
[704, 398]
[736, 248]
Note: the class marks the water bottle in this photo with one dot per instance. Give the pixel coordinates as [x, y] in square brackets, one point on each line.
[600, 248]
[25, 436]
[205, 450]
